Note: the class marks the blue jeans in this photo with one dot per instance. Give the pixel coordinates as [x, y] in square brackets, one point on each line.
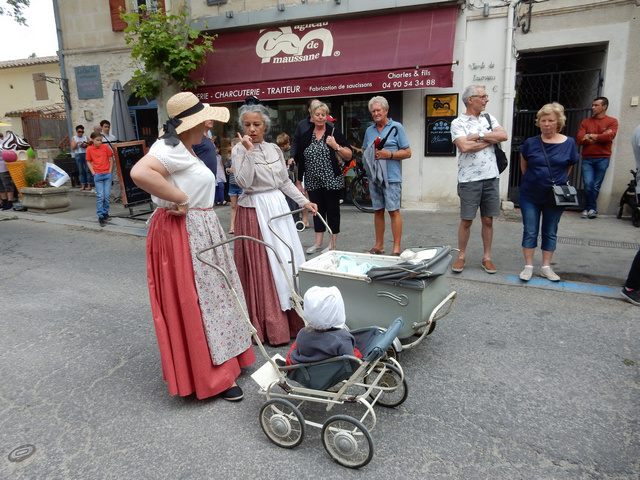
[84, 173]
[593, 170]
[531, 220]
[102, 182]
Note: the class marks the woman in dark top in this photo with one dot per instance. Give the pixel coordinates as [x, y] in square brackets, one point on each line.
[535, 190]
[321, 152]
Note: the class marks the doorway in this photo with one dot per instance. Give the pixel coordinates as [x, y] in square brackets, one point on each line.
[570, 76]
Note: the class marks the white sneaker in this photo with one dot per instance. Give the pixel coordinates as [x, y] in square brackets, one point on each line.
[525, 275]
[592, 214]
[549, 274]
[584, 214]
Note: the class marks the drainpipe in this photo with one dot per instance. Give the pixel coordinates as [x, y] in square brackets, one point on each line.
[507, 95]
[64, 82]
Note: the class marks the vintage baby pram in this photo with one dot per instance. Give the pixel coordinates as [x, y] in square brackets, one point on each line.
[631, 197]
[373, 379]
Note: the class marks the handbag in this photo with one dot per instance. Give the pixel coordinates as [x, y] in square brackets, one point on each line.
[564, 195]
[501, 157]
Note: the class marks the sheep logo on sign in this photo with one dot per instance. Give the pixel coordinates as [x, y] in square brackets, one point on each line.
[294, 48]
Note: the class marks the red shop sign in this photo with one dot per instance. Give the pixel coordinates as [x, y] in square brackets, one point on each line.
[391, 52]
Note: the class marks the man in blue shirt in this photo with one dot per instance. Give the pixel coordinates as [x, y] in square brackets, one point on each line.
[385, 190]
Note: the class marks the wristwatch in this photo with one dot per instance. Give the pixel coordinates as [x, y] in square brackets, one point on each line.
[338, 149]
[480, 137]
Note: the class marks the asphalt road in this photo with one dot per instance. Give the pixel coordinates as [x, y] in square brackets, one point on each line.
[514, 383]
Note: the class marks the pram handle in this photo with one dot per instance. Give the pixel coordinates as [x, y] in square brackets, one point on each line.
[293, 262]
[297, 300]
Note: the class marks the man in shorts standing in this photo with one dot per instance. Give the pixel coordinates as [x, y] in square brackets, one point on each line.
[478, 175]
[386, 193]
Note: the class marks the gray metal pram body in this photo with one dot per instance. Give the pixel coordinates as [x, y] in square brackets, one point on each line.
[418, 292]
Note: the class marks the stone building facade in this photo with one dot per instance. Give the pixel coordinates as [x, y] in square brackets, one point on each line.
[516, 49]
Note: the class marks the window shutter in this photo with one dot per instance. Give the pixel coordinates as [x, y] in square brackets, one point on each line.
[117, 24]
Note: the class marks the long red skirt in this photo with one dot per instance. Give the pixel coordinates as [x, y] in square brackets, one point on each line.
[273, 324]
[184, 352]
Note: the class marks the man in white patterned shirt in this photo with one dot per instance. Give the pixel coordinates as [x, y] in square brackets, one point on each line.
[478, 175]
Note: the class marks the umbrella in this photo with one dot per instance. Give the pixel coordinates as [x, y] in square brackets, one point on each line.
[121, 124]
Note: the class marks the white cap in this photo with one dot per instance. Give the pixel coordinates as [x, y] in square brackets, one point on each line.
[324, 308]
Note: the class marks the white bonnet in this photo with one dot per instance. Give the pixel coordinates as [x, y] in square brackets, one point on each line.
[324, 308]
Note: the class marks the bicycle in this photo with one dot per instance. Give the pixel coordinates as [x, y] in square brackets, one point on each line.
[358, 188]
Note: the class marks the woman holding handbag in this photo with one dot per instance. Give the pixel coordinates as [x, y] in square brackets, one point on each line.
[544, 160]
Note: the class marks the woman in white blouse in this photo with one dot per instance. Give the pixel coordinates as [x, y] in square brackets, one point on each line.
[261, 172]
[202, 336]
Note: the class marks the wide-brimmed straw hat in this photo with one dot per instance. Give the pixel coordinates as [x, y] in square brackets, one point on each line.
[186, 108]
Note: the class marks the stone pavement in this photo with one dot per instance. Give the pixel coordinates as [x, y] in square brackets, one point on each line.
[593, 256]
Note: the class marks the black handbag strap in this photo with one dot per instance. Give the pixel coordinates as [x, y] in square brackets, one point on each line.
[488, 117]
[553, 179]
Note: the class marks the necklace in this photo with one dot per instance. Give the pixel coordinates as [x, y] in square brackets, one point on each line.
[266, 162]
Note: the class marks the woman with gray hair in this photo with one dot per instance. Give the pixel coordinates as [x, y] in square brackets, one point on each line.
[539, 157]
[261, 172]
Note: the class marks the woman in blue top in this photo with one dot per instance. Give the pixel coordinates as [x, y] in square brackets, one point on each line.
[535, 190]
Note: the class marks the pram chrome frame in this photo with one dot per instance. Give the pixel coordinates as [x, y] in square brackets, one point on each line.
[346, 439]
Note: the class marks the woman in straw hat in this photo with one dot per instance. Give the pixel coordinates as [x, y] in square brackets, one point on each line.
[261, 172]
[202, 337]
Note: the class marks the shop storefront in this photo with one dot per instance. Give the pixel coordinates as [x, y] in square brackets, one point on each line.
[343, 62]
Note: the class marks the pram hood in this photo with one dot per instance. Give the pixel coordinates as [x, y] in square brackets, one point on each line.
[414, 275]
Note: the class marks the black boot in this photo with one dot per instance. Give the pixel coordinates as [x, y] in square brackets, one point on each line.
[7, 205]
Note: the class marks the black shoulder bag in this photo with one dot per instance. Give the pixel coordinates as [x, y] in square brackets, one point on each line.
[501, 157]
[561, 195]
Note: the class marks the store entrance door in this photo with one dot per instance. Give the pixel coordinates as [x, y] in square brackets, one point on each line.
[571, 77]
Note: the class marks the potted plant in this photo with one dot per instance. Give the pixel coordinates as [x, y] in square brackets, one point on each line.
[40, 197]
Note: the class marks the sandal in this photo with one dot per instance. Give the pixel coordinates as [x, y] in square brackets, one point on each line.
[231, 232]
[376, 251]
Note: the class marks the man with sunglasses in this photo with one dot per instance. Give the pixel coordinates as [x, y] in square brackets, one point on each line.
[478, 175]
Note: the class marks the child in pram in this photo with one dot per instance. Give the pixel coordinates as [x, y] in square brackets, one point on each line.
[326, 335]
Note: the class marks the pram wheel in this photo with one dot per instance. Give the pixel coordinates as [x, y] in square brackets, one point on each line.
[347, 441]
[635, 218]
[390, 379]
[282, 422]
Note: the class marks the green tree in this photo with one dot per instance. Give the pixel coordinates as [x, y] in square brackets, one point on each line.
[15, 9]
[165, 50]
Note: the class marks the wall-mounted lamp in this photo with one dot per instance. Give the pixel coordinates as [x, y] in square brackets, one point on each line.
[229, 13]
[485, 10]
[88, 115]
[281, 7]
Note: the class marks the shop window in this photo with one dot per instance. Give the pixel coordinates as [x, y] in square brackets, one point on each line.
[40, 86]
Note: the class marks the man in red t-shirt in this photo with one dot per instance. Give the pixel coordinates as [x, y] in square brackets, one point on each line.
[596, 136]
[100, 163]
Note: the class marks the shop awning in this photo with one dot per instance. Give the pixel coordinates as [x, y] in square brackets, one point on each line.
[374, 54]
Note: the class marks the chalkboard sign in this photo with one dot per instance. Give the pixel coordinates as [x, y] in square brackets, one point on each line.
[438, 137]
[127, 154]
